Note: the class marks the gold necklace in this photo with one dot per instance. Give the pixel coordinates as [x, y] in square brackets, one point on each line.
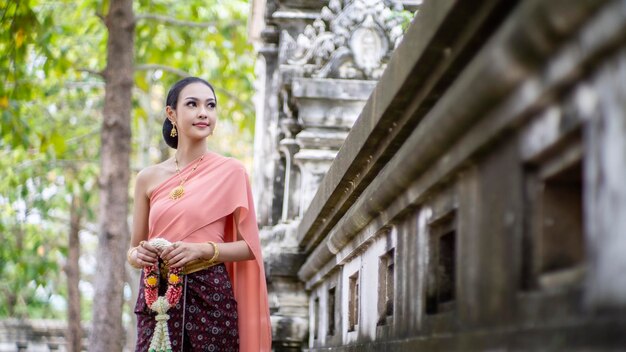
[179, 191]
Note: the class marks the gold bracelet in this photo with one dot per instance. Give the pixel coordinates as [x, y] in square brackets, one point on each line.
[216, 252]
[130, 261]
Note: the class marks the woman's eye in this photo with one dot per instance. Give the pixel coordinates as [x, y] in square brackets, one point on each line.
[191, 103]
[211, 105]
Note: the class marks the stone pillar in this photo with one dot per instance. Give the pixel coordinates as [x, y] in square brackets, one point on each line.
[327, 108]
[605, 172]
[265, 127]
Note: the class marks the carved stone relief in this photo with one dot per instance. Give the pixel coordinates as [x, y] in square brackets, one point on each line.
[350, 39]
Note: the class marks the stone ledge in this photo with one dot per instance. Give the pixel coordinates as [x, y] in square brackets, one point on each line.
[335, 89]
[571, 335]
[284, 15]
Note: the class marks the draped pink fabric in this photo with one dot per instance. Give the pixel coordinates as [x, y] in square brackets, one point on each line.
[217, 189]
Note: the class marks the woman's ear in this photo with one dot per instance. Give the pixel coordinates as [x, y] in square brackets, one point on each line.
[171, 114]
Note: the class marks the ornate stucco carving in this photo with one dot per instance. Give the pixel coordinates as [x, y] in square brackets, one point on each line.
[350, 39]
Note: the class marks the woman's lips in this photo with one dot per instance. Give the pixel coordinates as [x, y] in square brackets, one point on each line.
[201, 125]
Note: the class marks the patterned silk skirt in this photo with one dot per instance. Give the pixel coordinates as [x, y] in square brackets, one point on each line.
[205, 318]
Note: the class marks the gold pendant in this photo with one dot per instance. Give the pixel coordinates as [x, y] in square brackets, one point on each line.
[177, 193]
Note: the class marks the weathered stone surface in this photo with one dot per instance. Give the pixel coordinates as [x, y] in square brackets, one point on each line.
[311, 90]
[486, 156]
[480, 185]
[422, 69]
[605, 190]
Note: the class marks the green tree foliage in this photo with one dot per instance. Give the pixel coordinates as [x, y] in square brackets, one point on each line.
[52, 55]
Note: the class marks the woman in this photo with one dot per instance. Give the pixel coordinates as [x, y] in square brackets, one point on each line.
[195, 237]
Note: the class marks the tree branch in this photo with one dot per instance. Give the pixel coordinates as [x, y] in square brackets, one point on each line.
[174, 21]
[54, 163]
[86, 226]
[93, 72]
[148, 67]
[184, 74]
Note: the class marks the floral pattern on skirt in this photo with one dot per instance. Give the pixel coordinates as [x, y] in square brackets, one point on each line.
[209, 320]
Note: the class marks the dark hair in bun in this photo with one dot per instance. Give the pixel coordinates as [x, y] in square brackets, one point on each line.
[172, 100]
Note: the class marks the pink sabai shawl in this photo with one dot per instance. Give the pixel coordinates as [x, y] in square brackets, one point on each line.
[213, 193]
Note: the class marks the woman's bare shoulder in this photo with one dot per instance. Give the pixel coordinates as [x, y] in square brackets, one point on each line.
[152, 176]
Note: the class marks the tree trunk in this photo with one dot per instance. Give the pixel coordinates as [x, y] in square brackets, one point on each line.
[107, 333]
[74, 333]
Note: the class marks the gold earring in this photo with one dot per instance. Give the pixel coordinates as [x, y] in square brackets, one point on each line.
[173, 133]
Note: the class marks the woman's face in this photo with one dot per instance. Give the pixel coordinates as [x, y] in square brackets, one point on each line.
[195, 115]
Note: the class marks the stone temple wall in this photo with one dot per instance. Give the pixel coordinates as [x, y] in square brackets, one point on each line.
[318, 63]
[473, 200]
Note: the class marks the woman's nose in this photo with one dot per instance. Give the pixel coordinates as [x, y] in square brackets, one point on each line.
[203, 112]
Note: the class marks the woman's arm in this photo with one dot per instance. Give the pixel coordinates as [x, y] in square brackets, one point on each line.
[144, 254]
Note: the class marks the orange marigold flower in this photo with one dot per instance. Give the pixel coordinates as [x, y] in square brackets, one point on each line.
[151, 281]
[174, 279]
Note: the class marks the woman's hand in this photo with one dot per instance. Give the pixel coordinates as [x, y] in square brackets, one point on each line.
[146, 254]
[180, 254]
